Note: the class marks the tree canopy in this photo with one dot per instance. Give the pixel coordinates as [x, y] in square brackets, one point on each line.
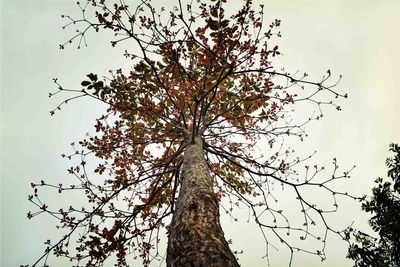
[384, 206]
[198, 71]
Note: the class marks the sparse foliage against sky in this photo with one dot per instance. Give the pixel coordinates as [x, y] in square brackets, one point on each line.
[197, 73]
[340, 33]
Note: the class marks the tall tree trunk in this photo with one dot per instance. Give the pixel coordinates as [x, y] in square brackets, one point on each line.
[196, 238]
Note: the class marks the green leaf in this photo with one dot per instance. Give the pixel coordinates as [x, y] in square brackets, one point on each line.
[214, 12]
[85, 83]
[92, 77]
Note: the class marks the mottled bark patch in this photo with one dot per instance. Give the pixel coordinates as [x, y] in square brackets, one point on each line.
[196, 237]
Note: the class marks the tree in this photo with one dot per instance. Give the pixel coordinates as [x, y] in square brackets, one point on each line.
[384, 206]
[199, 124]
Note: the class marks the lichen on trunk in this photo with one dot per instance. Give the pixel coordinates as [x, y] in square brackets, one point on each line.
[195, 236]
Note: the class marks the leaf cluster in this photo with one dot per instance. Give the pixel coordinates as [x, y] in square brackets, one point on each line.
[196, 72]
[384, 206]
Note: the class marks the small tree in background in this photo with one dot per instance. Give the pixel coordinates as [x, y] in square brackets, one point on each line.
[199, 124]
[384, 206]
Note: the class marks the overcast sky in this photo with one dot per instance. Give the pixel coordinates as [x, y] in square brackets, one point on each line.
[358, 39]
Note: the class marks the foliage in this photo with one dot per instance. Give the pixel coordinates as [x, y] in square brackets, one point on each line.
[384, 206]
[197, 71]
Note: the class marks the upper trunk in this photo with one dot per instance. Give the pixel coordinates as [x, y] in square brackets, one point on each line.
[195, 236]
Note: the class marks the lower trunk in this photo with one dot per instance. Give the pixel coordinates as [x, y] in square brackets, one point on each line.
[195, 236]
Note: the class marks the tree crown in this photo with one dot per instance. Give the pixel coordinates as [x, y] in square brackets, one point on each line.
[197, 72]
[384, 205]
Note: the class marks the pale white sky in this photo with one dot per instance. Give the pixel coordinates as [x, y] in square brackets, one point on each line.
[358, 39]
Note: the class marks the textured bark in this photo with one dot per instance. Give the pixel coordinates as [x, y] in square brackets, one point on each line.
[196, 237]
